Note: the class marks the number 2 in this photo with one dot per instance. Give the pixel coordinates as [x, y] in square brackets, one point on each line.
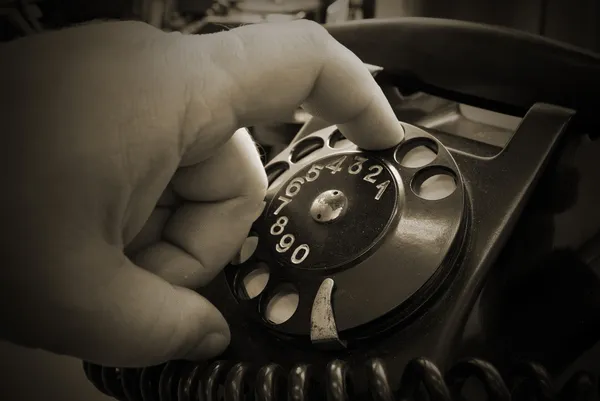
[371, 177]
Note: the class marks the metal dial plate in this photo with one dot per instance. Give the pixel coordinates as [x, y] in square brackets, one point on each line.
[357, 219]
[323, 217]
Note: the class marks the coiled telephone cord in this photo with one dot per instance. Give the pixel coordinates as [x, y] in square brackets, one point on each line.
[421, 380]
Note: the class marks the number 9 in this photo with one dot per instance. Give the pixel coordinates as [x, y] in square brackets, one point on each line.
[285, 243]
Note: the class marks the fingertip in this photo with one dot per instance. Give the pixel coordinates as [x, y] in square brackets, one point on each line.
[127, 317]
[212, 345]
[374, 128]
[205, 333]
[216, 335]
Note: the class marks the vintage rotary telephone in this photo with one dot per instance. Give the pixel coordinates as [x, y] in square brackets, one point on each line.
[388, 277]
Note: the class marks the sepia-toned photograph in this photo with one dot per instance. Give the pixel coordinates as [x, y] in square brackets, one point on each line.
[300, 200]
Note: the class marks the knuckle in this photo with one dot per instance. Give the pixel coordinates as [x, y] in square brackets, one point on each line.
[311, 27]
[316, 33]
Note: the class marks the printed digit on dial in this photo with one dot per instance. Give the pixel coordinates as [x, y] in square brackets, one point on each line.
[294, 187]
[358, 165]
[371, 177]
[313, 173]
[285, 243]
[300, 254]
[279, 226]
[284, 202]
[381, 189]
[336, 165]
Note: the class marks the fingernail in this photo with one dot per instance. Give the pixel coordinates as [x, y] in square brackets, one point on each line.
[213, 344]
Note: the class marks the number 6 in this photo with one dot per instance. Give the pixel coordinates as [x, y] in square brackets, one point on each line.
[294, 187]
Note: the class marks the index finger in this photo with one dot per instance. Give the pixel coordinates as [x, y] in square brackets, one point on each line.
[260, 73]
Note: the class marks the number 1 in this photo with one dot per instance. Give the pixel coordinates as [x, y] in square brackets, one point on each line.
[381, 187]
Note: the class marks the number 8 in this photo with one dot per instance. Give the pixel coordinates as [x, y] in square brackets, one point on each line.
[278, 227]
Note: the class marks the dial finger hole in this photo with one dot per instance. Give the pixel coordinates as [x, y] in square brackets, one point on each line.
[338, 141]
[246, 251]
[282, 305]
[417, 153]
[434, 184]
[255, 282]
[275, 171]
[305, 148]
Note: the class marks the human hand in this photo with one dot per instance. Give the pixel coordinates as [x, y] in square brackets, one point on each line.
[103, 124]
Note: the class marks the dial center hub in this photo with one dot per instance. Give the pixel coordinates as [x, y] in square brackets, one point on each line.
[329, 206]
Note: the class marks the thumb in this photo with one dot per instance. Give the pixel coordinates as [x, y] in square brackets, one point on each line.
[111, 312]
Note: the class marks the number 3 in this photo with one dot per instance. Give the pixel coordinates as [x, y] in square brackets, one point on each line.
[358, 166]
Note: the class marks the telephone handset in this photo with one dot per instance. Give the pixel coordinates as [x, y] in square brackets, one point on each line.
[382, 256]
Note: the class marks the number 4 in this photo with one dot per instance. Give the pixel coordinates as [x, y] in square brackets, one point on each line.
[336, 165]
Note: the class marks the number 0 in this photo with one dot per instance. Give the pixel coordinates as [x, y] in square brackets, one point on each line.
[300, 254]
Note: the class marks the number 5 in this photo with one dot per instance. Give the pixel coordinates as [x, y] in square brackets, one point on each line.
[313, 173]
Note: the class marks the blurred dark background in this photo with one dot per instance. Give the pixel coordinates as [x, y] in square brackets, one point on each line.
[572, 21]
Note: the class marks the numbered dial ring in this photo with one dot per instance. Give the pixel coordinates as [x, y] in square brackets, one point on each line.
[359, 220]
[323, 217]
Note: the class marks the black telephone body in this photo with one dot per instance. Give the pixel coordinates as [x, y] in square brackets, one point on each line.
[488, 288]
